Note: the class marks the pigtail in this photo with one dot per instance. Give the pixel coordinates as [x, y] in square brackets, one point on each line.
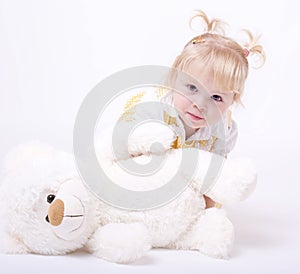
[253, 48]
[214, 25]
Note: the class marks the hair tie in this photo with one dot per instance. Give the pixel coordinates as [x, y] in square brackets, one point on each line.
[246, 52]
[197, 40]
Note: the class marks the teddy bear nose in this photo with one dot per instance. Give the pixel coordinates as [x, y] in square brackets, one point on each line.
[56, 213]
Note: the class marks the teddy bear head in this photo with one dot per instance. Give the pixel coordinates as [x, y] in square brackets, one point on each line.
[49, 212]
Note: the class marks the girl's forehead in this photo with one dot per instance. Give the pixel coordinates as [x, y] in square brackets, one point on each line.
[199, 73]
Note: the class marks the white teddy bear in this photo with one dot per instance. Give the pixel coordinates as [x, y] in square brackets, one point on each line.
[47, 209]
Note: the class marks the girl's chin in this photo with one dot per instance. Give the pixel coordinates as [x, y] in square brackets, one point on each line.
[197, 124]
[194, 124]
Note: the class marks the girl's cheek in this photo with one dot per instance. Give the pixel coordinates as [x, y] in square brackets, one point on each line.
[216, 114]
[180, 101]
[223, 107]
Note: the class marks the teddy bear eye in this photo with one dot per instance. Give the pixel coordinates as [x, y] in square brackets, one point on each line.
[50, 198]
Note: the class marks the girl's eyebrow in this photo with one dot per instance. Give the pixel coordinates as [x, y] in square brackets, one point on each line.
[190, 81]
[223, 93]
[197, 84]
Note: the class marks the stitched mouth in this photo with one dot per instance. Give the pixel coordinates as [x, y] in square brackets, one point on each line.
[74, 216]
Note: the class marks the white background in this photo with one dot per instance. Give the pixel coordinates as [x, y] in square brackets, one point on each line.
[52, 53]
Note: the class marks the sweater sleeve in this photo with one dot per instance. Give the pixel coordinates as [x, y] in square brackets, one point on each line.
[224, 146]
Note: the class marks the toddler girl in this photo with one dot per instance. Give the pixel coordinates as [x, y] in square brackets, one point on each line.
[214, 70]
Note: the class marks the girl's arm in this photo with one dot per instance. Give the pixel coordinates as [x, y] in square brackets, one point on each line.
[139, 131]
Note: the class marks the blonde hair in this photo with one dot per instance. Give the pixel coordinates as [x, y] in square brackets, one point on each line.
[221, 55]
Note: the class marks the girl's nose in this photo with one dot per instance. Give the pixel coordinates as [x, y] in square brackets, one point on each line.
[201, 105]
[200, 100]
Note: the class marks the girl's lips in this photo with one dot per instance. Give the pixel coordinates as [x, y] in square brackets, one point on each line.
[195, 117]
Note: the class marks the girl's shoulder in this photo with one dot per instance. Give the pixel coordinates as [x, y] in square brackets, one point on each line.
[143, 103]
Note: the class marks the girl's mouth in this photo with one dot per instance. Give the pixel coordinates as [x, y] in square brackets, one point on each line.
[194, 117]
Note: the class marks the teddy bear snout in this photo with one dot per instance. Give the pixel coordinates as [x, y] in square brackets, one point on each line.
[56, 212]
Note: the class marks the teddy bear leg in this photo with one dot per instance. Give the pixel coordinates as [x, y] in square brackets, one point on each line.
[212, 234]
[119, 242]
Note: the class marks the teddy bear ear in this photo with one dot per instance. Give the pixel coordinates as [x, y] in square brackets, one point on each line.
[21, 153]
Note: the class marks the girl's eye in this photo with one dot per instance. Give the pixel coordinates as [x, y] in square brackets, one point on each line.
[217, 98]
[192, 88]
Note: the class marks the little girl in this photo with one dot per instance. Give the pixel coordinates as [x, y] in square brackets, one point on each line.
[218, 68]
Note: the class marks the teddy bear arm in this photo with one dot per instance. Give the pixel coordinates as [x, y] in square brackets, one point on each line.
[143, 141]
[151, 140]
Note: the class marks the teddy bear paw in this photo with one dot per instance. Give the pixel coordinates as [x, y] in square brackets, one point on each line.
[212, 235]
[217, 234]
[120, 243]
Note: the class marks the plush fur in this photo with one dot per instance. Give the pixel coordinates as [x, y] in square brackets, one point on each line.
[73, 218]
